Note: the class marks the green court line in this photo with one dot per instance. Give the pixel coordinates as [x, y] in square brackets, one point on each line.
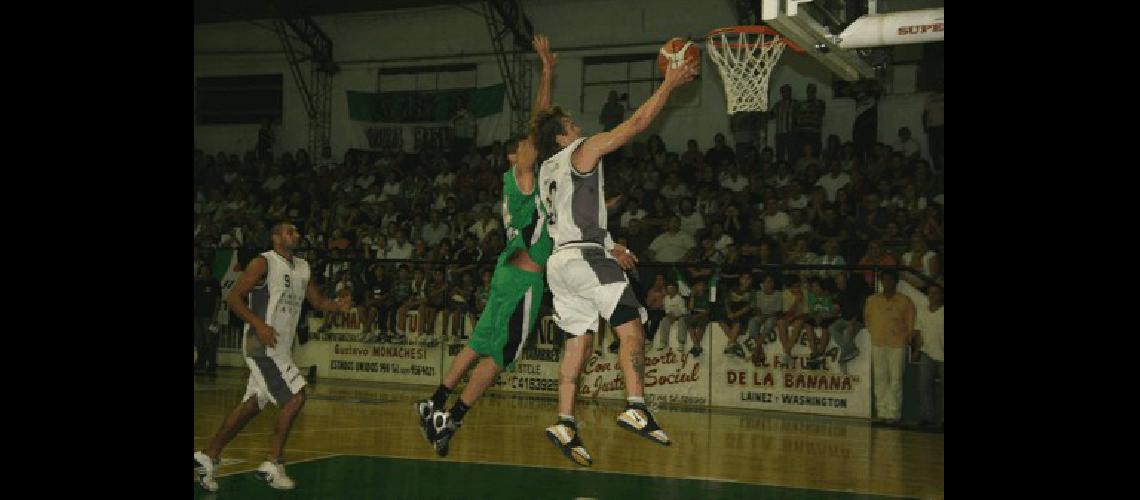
[354, 476]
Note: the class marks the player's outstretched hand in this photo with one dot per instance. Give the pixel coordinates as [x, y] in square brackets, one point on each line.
[683, 74]
[542, 47]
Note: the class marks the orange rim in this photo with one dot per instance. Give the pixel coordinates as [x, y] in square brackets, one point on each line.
[755, 30]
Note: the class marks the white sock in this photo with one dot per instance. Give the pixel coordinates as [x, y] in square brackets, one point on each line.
[636, 400]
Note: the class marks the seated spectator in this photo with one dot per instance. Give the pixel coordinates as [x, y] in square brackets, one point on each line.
[822, 313]
[708, 256]
[700, 308]
[379, 318]
[467, 256]
[436, 299]
[338, 240]
[738, 309]
[931, 226]
[460, 300]
[633, 210]
[692, 221]
[720, 240]
[907, 145]
[676, 310]
[776, 221]
[416, 300]
[762, 324]
[435, 230]
[831, 257]
[486, 223]
[920, 259]
[673, 190]
[910, 200]
[672, 245]
[692, 155]
[400, 248]
[720, 152]
[732, 180]
[791, 323]
[655, 306]
[850, 296]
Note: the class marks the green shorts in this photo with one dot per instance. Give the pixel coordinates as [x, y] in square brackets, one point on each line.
[510, 315]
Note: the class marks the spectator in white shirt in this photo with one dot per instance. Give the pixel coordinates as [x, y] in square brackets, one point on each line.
[435, 230]
[273, 182]
[676, 310]
[391, 187]
[484, 225]
[732, 180]
[672, 245]
[833, 180]
[365, 179]
[445, 178]
[401, 248]
[907, 144]
[692, 222]
[326, 160]
[720, 240]
[796, 199]
[931, 326]
[783, 175]
[374, 195]
[776, 221]
[673, 189]
[633, 211]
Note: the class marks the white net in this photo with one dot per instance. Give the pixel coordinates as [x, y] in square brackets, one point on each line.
[745, 61]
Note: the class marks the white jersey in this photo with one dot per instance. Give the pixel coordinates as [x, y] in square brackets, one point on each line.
[277, 301]
[575, 203]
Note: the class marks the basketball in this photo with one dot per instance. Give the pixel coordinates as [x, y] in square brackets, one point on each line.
[676, 52]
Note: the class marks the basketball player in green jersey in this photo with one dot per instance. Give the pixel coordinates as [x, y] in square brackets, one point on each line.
[516, 286]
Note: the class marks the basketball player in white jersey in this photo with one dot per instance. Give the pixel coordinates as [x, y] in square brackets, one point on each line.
[585, 272]
[276, 283]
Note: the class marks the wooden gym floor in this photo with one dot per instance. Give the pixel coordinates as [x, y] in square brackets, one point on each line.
[360, 440]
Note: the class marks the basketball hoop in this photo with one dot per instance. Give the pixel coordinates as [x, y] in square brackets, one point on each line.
[745, 56]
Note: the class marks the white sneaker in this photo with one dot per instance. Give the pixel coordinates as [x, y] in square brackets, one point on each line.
[205, 469]
[274, 474]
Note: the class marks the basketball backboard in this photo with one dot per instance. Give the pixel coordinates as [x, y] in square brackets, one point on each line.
[853, 38]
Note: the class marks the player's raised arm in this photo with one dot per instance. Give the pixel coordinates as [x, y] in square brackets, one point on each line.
[549, 60]
[585, 158]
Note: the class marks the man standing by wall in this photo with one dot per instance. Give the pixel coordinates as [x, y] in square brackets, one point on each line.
[463, 127]
[931, 326]
[613, 113]
[934, 123]
[890, 320]
[207, 295]
[809, 120]
[784, 114]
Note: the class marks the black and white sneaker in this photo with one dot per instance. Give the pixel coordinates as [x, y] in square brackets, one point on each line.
[636, 418]
[424, 409]
[565, 436]
[205, 468]
[442, 428]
